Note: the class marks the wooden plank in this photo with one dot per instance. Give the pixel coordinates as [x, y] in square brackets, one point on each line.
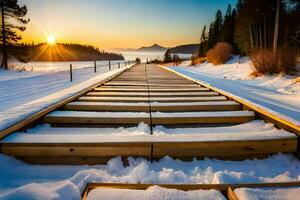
[224, 149]
[77, 150]
[186, 187]
[103, 106]
[144, 107]
[231, 195]
[232, 150]
[26, 121]
[135, 89]
[65, 160]
[153, 99]
[69, 117]
[113, 99]
[150, 84]
[63, 117]
[158, 119]
[152, 94]
[198, 106]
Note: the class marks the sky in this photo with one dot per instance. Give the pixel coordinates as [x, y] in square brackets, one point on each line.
[110, 24]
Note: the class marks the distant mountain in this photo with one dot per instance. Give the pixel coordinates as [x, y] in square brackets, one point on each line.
[153, 48]
[185, 49]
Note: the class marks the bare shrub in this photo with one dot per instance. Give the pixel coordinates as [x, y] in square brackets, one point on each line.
[265, 61]
[220, 53]
[197, 60]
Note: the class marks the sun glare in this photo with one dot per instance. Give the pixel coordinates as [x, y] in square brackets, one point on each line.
[51, 40]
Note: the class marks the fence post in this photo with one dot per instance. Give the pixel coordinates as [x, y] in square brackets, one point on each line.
[109, 66]
[95, 66]
[118, 65]
[125, 63]
[71, 73]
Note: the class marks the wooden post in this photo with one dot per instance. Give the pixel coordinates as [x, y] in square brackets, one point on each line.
[95, 66]
[109, 66]
[71, 73]
[118, 65]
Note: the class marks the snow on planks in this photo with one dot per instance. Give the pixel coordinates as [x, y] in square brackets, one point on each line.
[149, 94]
[144, 107]
[245, 191]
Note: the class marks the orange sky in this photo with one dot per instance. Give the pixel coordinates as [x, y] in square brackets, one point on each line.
[119, 23]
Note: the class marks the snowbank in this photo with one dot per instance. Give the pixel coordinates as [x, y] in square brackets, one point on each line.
[68, 182]
[278, 94]
[21, 97]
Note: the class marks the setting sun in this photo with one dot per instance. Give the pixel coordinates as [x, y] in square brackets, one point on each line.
[51, 39]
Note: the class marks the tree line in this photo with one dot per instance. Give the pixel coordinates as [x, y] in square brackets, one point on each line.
[60, 52]
[254, 24]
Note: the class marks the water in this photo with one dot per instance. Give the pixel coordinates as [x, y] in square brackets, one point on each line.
[131, 55]
[65, 66]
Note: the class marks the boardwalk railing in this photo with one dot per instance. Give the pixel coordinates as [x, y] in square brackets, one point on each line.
[110, 65]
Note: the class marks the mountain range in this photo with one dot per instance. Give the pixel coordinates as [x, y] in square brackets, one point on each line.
[153, 48]
[183, 49]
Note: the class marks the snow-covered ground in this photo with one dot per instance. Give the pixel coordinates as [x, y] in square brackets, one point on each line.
[61, 66]
[24, 92]
[33, 182]
[279, 94]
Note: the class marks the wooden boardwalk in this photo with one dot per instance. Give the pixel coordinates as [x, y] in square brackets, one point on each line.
[155, 96]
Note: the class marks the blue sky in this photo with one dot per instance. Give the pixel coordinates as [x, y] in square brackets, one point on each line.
[120, 23]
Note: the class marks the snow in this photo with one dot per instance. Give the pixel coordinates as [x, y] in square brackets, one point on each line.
[79, 103]
[268, 193]
[253, 130]
[213, 98]
[215, 103]
[91, 114]
[203, 114]
[278, 94]
[30, 182]
[87, 114]
[24, 93]
[153, 193]
[62, 66]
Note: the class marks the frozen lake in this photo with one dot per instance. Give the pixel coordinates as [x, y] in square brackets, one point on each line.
[132, 55]
[62, 66]
[65, 66]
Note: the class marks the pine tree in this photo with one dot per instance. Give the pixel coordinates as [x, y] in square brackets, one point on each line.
[203, 43]
[11, 10]
[214, 30]
[227, 31]
[167, 57]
